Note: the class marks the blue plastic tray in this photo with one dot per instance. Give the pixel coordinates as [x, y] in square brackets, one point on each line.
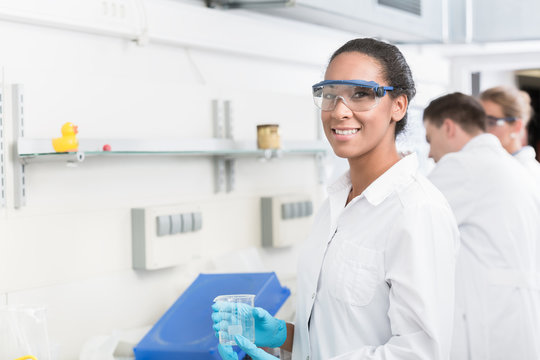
[185, 331]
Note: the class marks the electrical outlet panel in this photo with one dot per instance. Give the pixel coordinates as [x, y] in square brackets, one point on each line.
[285, 219]
[124, 18]
[118, 14]
[298, 209]
[164, 236]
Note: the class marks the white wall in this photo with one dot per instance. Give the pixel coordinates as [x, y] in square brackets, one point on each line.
[496, 62]
[490, 79]
[70, 246]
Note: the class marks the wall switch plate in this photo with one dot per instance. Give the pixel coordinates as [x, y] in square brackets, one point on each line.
[285, 219]
[176, 223]
[187, 222]
[197, 221]
[163, 225]
[160, 236]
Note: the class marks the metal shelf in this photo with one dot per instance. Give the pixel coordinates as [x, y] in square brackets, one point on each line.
[222, 148]
[39, 150]
[223, 151]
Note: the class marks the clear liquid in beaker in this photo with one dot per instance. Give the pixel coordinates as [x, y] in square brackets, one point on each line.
[241, 321]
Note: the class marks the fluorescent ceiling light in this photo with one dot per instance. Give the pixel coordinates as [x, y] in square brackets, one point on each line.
[236, 4]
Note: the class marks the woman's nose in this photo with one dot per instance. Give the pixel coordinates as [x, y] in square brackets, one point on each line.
[341, 110]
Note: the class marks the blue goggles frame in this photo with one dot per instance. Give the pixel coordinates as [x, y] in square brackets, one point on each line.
[379, 90]
[495, 121]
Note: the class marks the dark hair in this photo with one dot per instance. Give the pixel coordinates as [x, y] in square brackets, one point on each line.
[395, 69]
[463, 109]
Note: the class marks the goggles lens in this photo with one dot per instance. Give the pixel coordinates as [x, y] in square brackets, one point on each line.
[495, 121]
[357, 95]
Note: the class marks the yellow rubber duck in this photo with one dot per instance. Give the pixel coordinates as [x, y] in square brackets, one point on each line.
[68, 141]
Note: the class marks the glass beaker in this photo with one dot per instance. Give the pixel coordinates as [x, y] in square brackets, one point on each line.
[23, 333]
[241, 321]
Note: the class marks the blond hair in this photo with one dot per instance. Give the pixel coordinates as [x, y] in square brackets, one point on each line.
[513, 102]
[528, 111]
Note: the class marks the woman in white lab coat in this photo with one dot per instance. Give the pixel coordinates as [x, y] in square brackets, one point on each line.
[508, 112]
[376, 274]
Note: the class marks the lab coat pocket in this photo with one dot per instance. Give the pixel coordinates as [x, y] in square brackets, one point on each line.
[358, 271]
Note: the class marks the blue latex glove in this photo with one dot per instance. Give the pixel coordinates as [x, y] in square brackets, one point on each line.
[269, 331]
[227, 352]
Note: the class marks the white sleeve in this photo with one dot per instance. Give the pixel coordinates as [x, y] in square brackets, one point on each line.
[420, 268]
[284, 355]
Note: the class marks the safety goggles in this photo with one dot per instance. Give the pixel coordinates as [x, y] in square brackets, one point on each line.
[357, 95]
[495, 121]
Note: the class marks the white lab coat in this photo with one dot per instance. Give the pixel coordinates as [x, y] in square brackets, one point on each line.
[497, 279]
[527, 157]
[376, 277]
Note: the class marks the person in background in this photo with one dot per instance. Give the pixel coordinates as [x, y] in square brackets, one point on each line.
[528, 114]
[508, 112]
[532, 129]
[497, 208]
[533, 134]
[376, 274]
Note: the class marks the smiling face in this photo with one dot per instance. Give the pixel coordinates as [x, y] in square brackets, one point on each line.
[359, 134]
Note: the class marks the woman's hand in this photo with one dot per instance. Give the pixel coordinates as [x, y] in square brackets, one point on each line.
[269, 331]
[227, 352]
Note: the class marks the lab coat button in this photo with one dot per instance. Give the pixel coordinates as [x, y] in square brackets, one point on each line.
[307, 357]
[313, 297]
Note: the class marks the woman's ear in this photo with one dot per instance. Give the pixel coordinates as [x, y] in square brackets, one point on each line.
[399, 107]
[517, 126]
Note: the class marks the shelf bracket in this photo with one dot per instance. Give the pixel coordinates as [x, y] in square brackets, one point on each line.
[224, 167]
[219, 174]
[18, 128]
[2, 154]
[229, 171]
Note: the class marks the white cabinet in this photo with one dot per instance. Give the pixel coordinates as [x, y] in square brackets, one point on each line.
[481, 21]
[505, 20]
[394, 20]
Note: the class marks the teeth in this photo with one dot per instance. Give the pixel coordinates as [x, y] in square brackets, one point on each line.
[346, 132]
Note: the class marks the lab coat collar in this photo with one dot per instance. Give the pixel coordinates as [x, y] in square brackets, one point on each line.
[392, 178]
[383, 186]
[337, 197]
[526, 152]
